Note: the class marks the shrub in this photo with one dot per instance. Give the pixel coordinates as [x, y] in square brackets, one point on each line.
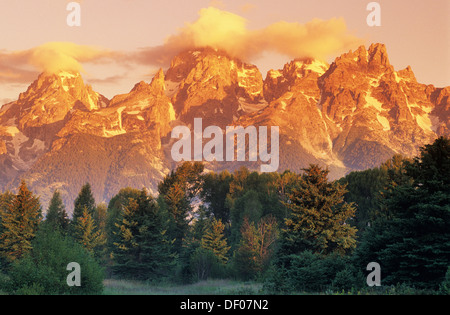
[43, 269]
[205, 264]
[275, 281]
[345, 280]
[309, 272]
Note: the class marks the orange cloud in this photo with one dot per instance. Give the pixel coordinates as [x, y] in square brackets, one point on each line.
[227, 31]
[58, 56]
[315, 39]
[51, 57]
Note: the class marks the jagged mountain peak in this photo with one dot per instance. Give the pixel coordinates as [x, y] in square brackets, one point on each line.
[303, 67]
[298, 74]
[51, 82]
[50, 100]
[357, 114]
[142, 86]
[68, 85]
[378, 52]
[205, 58]
[157, 86]
[210, 82]
[142, 92]
[374, 60]
[183, 63]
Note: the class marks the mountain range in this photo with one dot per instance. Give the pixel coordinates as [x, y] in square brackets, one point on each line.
[352, 114]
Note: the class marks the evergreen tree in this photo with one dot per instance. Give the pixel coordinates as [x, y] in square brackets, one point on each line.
[179, 207]
[413, 244]
[177, 192]
[363, 189]
[100, 216]
[56, 216]
[396, 175]
[143, 250]
[115, 209]
[20, 223]
[100, 220]
[88, 235]
[5, 200]
[215, 241]
[319, 217]
[367, 189]
[200, 224]
[126, 251]
[84, 199]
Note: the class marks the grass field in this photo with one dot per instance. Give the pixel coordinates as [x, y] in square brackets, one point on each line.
[209, 287]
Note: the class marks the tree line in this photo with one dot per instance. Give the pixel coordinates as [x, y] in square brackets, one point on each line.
[292, 232]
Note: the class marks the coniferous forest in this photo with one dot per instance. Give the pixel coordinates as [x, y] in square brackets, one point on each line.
[292, 233]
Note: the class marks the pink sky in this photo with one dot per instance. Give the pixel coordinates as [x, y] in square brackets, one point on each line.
[416, 33]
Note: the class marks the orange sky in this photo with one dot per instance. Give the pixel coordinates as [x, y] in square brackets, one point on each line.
[121, 42]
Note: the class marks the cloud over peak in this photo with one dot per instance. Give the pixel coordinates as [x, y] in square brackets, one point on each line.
[50, 57]
[227, 31]
[65, 56]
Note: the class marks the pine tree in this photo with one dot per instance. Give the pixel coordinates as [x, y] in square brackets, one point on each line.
[84, 199]
[177, 191]
[56, 216]
[20, 223]
[126, 251]
[100, 220]
[116, 207]
[143, 250]
[87, 233]
[179, 207]
[319, 216]
[215, 241]
[413, 244]
[100, 216]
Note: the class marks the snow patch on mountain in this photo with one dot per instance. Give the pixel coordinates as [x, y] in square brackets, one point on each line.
[384, 122]
[374, 103]
[317, 66]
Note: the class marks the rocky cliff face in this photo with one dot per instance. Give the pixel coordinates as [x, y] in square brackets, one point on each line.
[207, 83]
[375, 111]
[83, 137]
[350, 115]
[28, 126]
